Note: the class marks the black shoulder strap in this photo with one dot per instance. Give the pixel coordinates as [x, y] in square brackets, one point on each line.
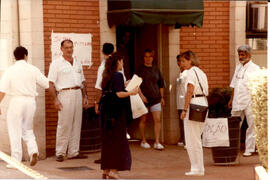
[199, 81]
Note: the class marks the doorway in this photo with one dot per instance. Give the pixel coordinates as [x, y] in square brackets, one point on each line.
[131, 43]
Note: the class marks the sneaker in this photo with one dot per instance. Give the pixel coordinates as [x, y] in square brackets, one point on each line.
[180, 144]
[60, 158]
[193, 173]
[128, 136]
[145, 145]
[158, 146]
[247, 154]
[33, 159]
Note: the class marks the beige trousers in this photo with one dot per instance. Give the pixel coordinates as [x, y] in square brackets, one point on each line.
[69, 123]
[193, 133]
[20, 117]
[250, 133]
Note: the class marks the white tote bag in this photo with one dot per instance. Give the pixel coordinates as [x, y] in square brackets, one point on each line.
[137, 106]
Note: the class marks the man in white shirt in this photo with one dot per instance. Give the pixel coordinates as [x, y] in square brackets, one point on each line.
[180, 99]
[240, 101]
[68, 89]
[20, 81]
[107, 49]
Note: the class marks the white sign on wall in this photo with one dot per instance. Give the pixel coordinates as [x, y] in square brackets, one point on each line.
[82, 46]
[216, 132]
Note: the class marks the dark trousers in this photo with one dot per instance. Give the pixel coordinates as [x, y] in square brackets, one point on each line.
[181, 126]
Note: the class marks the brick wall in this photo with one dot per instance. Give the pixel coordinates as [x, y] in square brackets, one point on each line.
[70, 16]
[211, 42]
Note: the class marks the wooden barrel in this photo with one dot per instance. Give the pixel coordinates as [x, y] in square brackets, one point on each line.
[91, 131]
[228, 155]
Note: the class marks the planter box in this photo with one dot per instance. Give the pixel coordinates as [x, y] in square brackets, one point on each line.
[228, 155]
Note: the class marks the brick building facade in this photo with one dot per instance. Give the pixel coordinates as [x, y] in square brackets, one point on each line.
[211, 43]
[215, 43]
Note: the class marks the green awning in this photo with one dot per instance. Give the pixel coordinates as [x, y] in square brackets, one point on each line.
[170, 12]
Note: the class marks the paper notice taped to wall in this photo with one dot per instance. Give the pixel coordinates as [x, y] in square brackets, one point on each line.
[82, 46]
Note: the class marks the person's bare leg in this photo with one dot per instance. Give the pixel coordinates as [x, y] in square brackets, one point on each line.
[157, 125]
[142, 128]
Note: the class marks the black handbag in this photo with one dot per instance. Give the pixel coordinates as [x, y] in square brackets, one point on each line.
[198, 112]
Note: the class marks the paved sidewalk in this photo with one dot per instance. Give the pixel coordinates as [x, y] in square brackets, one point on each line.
[172, 163]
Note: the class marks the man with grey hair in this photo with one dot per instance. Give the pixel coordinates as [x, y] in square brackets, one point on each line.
[240, 101]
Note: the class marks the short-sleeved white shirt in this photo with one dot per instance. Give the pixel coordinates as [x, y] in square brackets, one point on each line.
[100, 72]
[181, 90]
[192, 79]
[66, 75]
[21, 78]
[241, 98]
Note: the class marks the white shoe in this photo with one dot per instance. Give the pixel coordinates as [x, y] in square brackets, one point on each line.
[192, 173]
[128, 136]
[180, 144]
[10, 166]
[158, 146]
[247, 154]
[145, 145]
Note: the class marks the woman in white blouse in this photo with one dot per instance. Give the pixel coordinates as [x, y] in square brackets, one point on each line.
[194, 94]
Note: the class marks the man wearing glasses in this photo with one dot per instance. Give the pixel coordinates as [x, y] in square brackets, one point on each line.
[240, 101]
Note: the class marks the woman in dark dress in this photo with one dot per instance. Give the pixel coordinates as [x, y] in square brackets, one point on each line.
[115, 110]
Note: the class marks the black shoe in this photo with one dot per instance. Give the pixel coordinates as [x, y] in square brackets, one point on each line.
[98, 161]
[79, 156]
[60, 158]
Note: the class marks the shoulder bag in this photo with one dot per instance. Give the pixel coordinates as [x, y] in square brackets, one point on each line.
[198, 112]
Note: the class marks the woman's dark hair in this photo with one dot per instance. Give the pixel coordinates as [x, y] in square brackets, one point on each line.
[19, 52]
[107, 48]
[190, 55]
[110, 68]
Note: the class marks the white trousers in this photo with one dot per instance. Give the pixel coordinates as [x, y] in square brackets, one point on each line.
[193, 131]
[20, 117]
[69, 123]
[250, 133]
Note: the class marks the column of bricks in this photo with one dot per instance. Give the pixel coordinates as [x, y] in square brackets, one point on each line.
[211, 42]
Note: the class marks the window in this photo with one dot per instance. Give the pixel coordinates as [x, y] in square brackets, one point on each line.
[256, 24]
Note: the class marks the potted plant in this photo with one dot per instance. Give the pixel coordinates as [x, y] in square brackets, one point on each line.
[218, 108]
